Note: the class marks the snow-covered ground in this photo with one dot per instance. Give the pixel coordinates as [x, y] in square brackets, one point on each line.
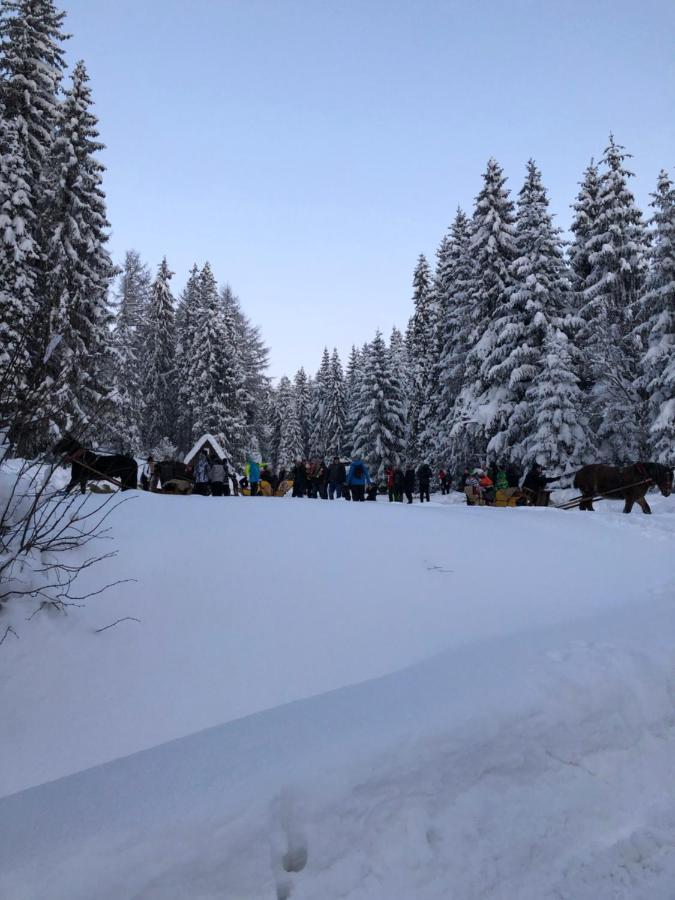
[369, 701]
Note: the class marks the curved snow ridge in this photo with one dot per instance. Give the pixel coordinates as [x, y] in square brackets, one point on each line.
[247, 604]
[531, 766]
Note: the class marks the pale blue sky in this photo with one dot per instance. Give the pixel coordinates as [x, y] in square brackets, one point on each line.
[311, 149]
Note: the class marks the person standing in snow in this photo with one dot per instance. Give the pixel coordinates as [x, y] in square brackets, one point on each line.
[202, 470]
[357, 479]
[299, 476]
[399, 485]
[409, 483]
[389, 475]
[534, 486]
[336, 478]
[444, 480]
[253, 474]
[217, 478]
[424, 477]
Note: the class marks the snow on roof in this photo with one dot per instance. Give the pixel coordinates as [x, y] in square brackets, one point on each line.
[203, 440]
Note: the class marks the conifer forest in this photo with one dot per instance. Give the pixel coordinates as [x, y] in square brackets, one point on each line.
[524, 344]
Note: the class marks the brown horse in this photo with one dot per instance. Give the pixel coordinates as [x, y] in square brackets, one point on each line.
[629, 483]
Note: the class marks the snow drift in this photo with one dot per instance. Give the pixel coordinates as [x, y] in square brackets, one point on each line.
[341, 700]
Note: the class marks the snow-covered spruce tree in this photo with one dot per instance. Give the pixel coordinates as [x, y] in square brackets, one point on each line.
[493, 249]
[399, 356]
[583, 226]
[556, 434]
[379, 433]
[159, 374]
[422, 344]
[658, 364]
[353, 375]
[125, 371]
[18, 304]
[318, 408]
[187, 316]
[254, 389]
[79, 268]
[31, 68]
[431, 439]
[536, 305]
[210, 377]
[617, 252]
[455, 330]
[336, 409]
[290, 440]
[302, 387]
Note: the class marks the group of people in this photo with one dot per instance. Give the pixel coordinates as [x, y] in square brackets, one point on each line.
[211, 475]
[482, 485]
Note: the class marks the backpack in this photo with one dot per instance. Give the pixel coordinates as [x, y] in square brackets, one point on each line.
[358, 471]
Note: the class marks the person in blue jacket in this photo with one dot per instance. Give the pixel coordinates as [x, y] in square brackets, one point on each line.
[253, 475]
[357, 479]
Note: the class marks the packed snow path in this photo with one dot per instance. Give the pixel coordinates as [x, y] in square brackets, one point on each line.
[521, 742]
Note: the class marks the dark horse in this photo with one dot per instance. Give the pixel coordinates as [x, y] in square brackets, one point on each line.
[122, 468]
[629, 483]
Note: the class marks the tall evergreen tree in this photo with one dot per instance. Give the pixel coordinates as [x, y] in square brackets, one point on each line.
[534, 311]
[455, 331]
[79, 267]
[658, 313]
[159, 377]
[319, 406]
[617, 253]
[254, 390]
[493, 250]
[353, 376]
[289, 432]
[186, 320]
[421, 343]
[125, 371]
[556, 435]
[211, 377]
[31, 68]
[18, 304]
[379, 433]
[336, 409]
[302, 387]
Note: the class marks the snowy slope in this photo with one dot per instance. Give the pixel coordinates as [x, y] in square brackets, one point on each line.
[520, 743]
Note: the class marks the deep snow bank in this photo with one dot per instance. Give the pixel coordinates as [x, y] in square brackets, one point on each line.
[246, 604]
[524, 745]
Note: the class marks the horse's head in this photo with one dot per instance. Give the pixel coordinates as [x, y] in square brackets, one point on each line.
[665, 482]
[67, 444]
[662, 477]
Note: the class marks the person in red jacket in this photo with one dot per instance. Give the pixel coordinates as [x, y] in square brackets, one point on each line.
[487, 487]
[444, 480]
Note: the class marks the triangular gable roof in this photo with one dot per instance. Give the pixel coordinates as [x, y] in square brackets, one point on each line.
[206, 439]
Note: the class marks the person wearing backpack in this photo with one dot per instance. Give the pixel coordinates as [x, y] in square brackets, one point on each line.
[336, 478]
[409, 483]
[357, 479]
[424, 478]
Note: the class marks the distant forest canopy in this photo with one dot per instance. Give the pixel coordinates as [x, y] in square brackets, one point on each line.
[520, 347]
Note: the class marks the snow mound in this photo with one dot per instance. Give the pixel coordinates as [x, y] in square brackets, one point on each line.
[396, 702]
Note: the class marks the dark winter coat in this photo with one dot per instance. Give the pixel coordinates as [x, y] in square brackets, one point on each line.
[535, 479]
[424, 474]
[299, 475]
[409, 480]
[337, 474]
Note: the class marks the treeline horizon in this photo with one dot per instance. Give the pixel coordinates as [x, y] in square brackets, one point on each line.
[520, 347]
